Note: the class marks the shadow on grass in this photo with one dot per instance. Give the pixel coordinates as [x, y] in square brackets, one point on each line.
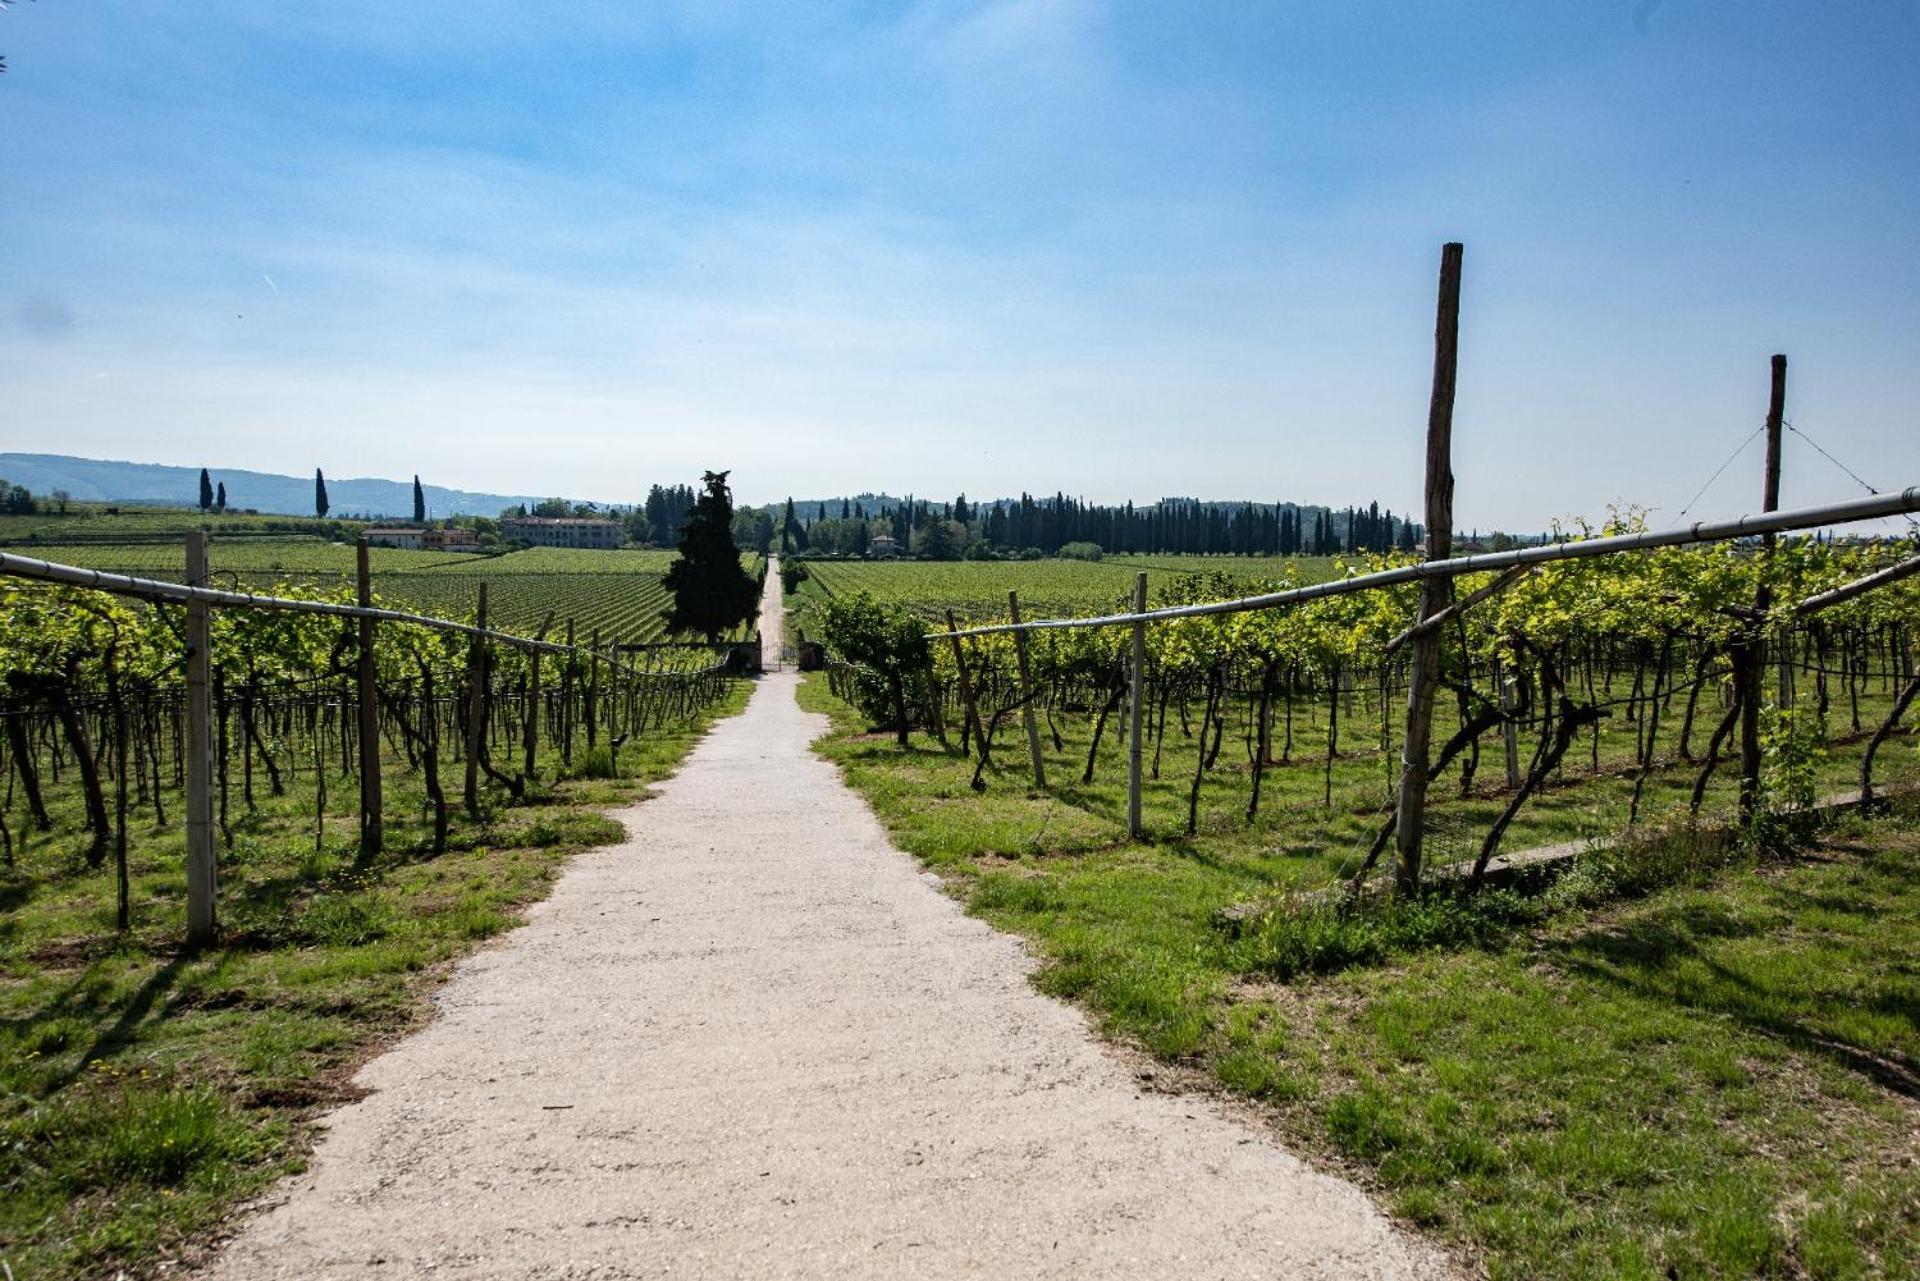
[1643, 959]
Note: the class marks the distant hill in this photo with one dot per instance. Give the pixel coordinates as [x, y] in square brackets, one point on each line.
[100, 480]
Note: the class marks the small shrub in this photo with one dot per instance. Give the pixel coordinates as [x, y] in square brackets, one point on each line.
[161, 1138]
[345, 920]
[595, 762]
[1081, 551]
[1321, 934]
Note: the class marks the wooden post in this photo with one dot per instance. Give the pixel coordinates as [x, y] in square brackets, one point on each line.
[966, 686]
[1424, 675]
[532, 726]
[1751, 656]
[476, 706]
[1026, 694]
[1136, 700]
[370, 822]
[202, 867]
[566, 702]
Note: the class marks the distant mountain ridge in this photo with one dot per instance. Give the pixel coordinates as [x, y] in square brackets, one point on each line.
[104, 480]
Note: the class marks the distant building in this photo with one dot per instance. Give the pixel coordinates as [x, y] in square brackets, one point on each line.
[406, 539]
[563, 531]
[449, 540]
[883, 545]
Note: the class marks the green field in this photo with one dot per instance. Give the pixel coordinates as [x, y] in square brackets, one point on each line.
[978, 589]
[619, 594]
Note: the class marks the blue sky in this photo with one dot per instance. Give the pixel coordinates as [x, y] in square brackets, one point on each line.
[1124, 250]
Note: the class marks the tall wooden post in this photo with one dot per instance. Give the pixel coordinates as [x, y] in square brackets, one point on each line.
[1136, 701]
[1751, 656]
[477, 706]
[1434, 592]
[370, 820]
[202, 867]
[1031, 717]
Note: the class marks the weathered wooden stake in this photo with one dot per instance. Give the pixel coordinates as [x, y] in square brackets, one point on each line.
[1434, 592]
[966, 686]
[532, 726]
[202, 868]
[1136, 700]
[371, 827]
[1751, 656]
[1026, 694]
[566, 701]
[476, 706]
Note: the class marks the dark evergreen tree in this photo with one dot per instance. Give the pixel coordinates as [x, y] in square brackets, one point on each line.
[712, 591]
[319, 494]
[419, 501]
[220, 497]
[206, 490]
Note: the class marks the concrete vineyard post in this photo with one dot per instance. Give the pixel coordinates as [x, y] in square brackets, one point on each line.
[476, 705]
[370, 819]
[1136, 700]
[1424, 675]
[1751, 655]
[202, 868]
[1508, 730]
[1026, 694]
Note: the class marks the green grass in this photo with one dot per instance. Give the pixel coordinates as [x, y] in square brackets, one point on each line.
[1713, 1079]
[145, 1091]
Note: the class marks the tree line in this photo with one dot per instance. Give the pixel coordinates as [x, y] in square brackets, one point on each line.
[1063, 525]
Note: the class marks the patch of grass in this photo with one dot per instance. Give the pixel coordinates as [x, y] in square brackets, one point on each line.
[145, 1091]
[1669, 1063]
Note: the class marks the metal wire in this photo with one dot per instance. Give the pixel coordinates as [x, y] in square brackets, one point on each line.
[1741, 449]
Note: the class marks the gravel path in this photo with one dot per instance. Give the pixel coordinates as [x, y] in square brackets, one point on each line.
[755, 1041]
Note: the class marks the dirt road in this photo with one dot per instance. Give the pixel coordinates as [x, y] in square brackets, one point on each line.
[755, 1041]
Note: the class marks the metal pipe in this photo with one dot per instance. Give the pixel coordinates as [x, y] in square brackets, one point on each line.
[1872, 507]
[1858, 587]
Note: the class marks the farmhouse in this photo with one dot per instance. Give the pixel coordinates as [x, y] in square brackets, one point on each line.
[449, 540]
[407, 539]
[562, 531]
[883, 545]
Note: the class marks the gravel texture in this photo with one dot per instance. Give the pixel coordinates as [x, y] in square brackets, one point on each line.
[755, 1041]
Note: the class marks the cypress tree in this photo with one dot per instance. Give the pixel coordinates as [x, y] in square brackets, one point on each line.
[419, 501]
[712, 592]
[220, 498]
[206, 490]
[319, 494]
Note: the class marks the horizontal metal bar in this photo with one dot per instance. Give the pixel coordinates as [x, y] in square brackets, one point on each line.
[1871, 507]
[1858, 587]
[47, 571]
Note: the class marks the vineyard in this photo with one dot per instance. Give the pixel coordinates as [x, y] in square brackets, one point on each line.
[1643, 1016]
[977, 590]
[1580, 700]
[375, 796]
[619, 595]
